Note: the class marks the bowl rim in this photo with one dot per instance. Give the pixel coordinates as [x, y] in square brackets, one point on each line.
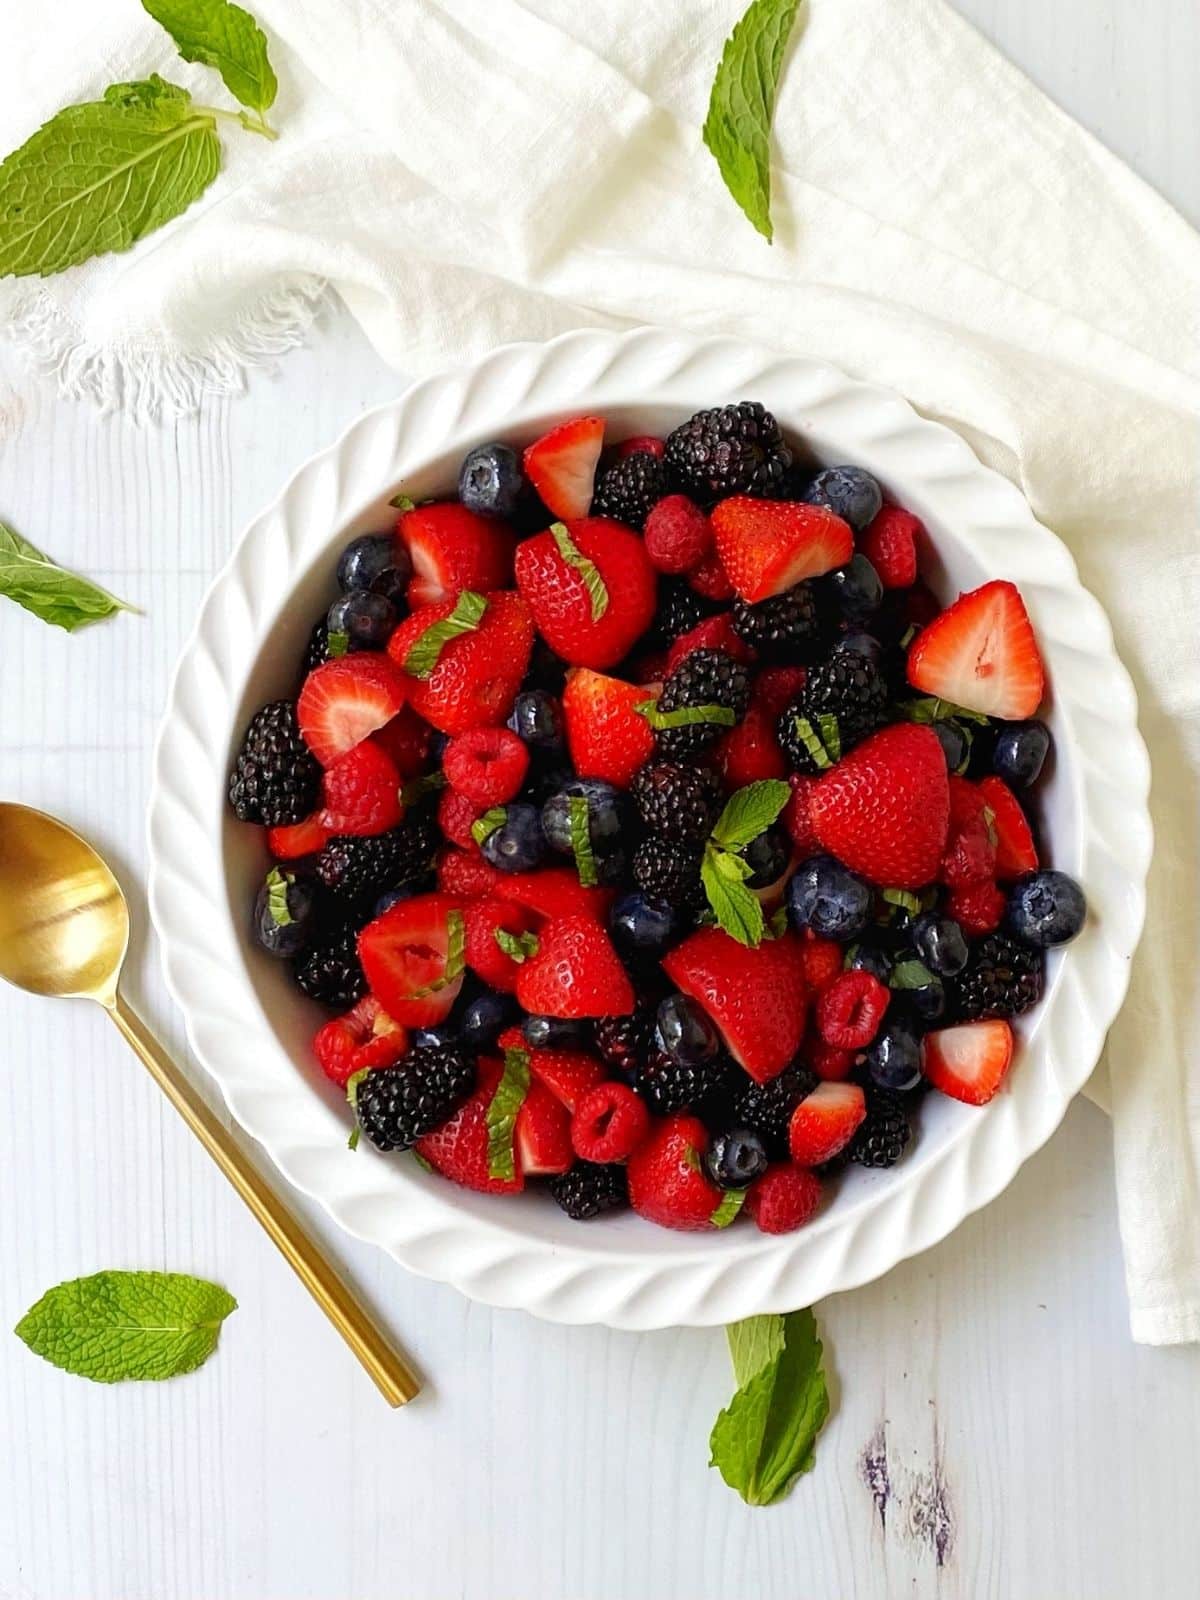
[428, 1226]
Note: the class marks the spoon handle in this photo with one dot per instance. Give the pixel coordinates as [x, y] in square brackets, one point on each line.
[387, 1367]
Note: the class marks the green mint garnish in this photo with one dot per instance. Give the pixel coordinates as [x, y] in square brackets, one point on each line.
[814, 742]
[352, 1083]
[115, 1326]
[731, 1203]
[736, 908]
[502, 1114]
[223, 36]
[425, 1166]
[909, 634]
[777, 923]
[910, 975]
[685, 716]
[581, 840]
[417, 788]
[465, 618]
[904, 899]
[517, 946]
[337, 644]
[402, 502]
[456, 947]
[927, 708]
[35, 582]
[587, 570]
[738, 126]
[483, 827]
[278, 884]
[750, 811]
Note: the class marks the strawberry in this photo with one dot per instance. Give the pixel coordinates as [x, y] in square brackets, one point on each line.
[364, 1038]
[570, 1075]
[487, 765]
[644, 444]
[587, 622]
[477, 674]
[344, 701]
[850, 1009]
[609, 1123]
[360, 792]
[784, 1198]
[981, 653]
[890, 545]
[750, 751]
[766, 546]
[978, 908]
[405, 954]
[884, 809]
[667, 1184]
[824, 1122]
[542, 1135]
[575, 973]
[970, 853]
[298, 839]
[830, 1062]
[797, 816]
[678, 535]
[553, 892]
[453, 549]
[605, 735]
[485, 956]
[1016, 852]
[821, 960]
[714, 633]
[730, 982]
[561, 465]
[464, 873]
[711, 580]
[455, 814]
[405, 739]
[459, 1149]
[969, 1062]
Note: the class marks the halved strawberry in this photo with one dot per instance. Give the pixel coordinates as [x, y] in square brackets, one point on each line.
[486, 955]
[542, 1136]
[606, 736]
[575, 973]
[477, 673]
[714, 633]
[890, 545]
[825, 1122]
[732, 983]
[970, 853]
[590, 587]
[884, 809]
[969, 1062]
[453, 549]
[290, 842]
[766, 546]
[1016, 852]
[360, 792]
[561, 465]
[667, 1183]
[570, 1075]
[553, 892]
[405, 739]
[344, 701]
[407, 958]
[751, 751]
[464, 1150]
[364, 1038]
[981, 653]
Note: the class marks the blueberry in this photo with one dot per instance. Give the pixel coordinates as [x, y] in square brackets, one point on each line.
[893, 1058]
[857, 588]
[485, 1016]
[404, 891]
[767, 857]
[641, 927]
[519, 844]
[956, 746]
[870, 958]
[605, 813]
[860, 644]
[552, 1033]
[926, 1002]
[437, 1036]
[285, 913]
[828, 898]
[490, 480]
[1019, 752]
[849, 492]
[939, 942]
[378, 562]
[365, 618]
[733, 1160]
[537, 719]
[1045, 908]
[685, 1031]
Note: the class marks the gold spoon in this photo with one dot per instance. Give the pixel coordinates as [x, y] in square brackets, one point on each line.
[64, 929]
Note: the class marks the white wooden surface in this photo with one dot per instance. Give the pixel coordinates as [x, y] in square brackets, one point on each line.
[988, 1400]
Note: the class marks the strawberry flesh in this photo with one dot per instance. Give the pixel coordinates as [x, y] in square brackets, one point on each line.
[969, 1062]
[344, 701]
[981, 653]
[729, 981]
[561, 465]
[767, 546]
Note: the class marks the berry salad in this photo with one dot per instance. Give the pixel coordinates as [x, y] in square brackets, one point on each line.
[649, 832]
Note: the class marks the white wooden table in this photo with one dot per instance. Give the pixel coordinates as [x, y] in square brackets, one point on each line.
[995, 1433]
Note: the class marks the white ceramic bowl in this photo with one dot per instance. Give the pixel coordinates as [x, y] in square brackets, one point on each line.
[252, 1030]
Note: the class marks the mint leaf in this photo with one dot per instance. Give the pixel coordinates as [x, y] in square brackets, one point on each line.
[581, 840]
[766, 1437]
[417, 788]
[100, 176]
[425, 1166]
[824, 754]
[517, 946]
[278, 884]
[910, 975]
[456, 962]
[927, 708]
[904, 899]
[587, 570]
[777, 923]
[685, 716]
[115, 1326]
[738, 126]
[337, 644]
[502, 1114]
[731, 1203]
[223, 36]
[483, 827]
[736, 909]
[403, 502]
[749, 812]
[425, 650]
[49, 591]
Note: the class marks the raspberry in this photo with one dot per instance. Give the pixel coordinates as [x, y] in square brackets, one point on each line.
[678, 534]
[487, 765]
[587, 1190]
[711, 580]
[360, 792]
[850, 1010]
[821, 959]
[645, 444]
[970, 853]
[830, 1062]
[455, 814]
[465, 872]
[365, 1037]
[890, 545]
[784, 1198]
[977, 908]
[610, 1124]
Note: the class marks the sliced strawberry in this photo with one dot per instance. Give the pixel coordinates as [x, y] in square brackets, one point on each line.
[463, 1149]
[667, 1184]
[464, 873]
[453, 549]
[590, 587]
[569, 1075]
[554, 892]
[406, 956]
[575, 972]
[360, 792]
[821, 960]
[890, 545]
[784, 1198]
[561, 465]
[344, 701]
[477, 673]
[978, 908]
[970, 853]
[981, 653]
[825, 1122]
[486, 955]
[884, 809]
[1016, 852]
[731, 982]
[969, 1062]
[767, 546]
[750, 751]
[405, 740]
[714, 633]
[606, 736]
[364, 1038]
[542, 1136]
[298, 839]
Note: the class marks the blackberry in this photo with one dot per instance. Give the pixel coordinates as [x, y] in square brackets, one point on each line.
[669, 869]
[705, 678]
[843, 700]
[668, 1086]
[588, 1189]
[630, 488]
[317, 652]
[353, 867]
[330, 971]
[679, 802]
[768, 1107]
[788, 625]
[275, 779]
[680, 609]
[882, 1137]
[736, 449]
[399, 1105]
[1002, 978]
[622, 1041]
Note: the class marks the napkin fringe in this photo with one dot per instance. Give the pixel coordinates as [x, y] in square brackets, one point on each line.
[151, 382]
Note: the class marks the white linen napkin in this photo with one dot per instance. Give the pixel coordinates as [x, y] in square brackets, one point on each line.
[468, 171]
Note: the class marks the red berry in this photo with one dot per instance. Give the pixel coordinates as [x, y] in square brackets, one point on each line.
[486, 957]
[477, 674]
[298, 839]
[487, 765]
[610, 1124]
[678, 535]
[606, 736]
[970, 853]
[365, 1037]
[767, 546]
[890, 545]
[711, 580]
[542, 1135]
[344, 701]
[645, 444]
[561, 465]
[825, 1122]
[883, 810]
[455, 814]
[462, 1149]
[465, 873]
[453, 549]
[830, 1063]
[969, 1062]
[1016, 852]
[570, 1075]
[850, 1010]
[821, 960]
[729, 981]
[554, 892]
[405, 739]
[360, 792]
[981, 653]
[784, 1198]
[405, 955]
[714, 633]
[667, 1184]
[586, 624]
[750, 752]
[977, 908]
[575, 972]
[797, 816]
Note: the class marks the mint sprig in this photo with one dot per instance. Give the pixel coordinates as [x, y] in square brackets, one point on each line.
[723, 872]
[750, 811]
[731, 1204]
[928, 708]
[427, 648]
[685, 716]
[51, 592]
[766, 1436]
[574, 557]
[223, 36]
[483, 827]
[501, 1115]
[278, 884]
[822, 740]
[581, 840]
[517, 947]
